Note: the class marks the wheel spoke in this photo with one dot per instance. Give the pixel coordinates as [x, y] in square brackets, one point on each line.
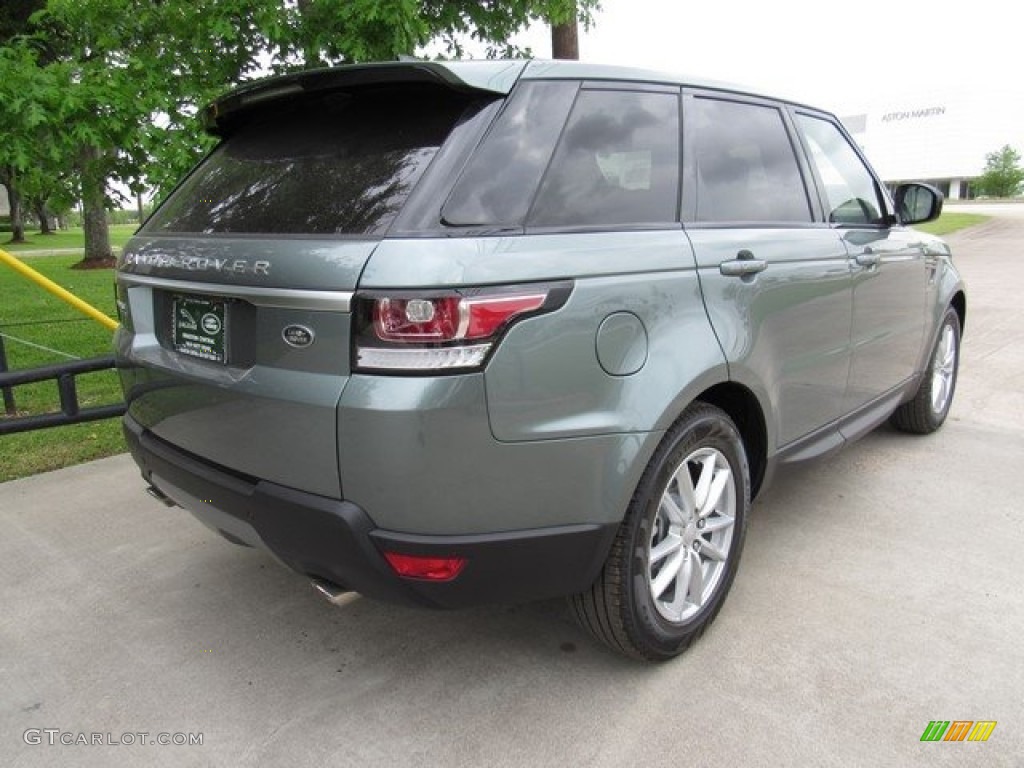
[668, 573]
[695, 585]
[939, 393]
[707, 474]
[718, 523]
[684, 484]
[721, 479]
[945, 357]
[679, 597]
[671, 543]
[712, 551]
[949, 358]
[672, 510]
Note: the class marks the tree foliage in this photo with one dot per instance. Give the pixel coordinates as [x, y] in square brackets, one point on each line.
[108, 90]
[1003, 174]
[32, 163]
[14, 17]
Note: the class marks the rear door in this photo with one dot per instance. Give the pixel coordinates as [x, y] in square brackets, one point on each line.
[775, 278]
[890, 279]
[236, 292]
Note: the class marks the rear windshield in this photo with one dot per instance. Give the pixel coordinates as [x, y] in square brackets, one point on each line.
[339, 164]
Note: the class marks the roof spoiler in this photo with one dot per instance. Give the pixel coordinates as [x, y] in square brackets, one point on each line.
[221, 116]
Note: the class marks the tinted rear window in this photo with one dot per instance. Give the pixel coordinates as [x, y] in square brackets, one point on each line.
[500, 180]
[746, 165]
[340, 164]
[617, 163]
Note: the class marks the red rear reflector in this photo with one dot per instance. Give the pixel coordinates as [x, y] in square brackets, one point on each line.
[428, 568]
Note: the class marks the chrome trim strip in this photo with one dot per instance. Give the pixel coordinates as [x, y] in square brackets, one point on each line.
[284, 298]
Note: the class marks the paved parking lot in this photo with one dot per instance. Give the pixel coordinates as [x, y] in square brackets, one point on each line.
[880, 589]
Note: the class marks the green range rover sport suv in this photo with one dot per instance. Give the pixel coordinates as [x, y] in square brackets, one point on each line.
[502, 331]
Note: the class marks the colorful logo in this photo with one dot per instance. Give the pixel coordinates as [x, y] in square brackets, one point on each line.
[958, 730]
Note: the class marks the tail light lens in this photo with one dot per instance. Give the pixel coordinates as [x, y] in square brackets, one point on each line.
[437, 331]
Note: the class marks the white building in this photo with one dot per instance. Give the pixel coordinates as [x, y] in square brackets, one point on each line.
[941, 138]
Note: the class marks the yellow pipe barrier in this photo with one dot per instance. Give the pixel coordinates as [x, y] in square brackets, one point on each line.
[44, 282]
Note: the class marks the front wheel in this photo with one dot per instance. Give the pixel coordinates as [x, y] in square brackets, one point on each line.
[930, 406]
[678, 548]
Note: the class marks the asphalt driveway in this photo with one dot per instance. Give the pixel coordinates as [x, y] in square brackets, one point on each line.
[880, 590]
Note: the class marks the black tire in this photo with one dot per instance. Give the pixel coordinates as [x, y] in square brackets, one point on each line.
[620, 609]
[930, 406]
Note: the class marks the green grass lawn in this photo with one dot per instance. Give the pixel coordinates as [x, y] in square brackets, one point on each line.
[950, 222]
[40, 329]
[68, 238]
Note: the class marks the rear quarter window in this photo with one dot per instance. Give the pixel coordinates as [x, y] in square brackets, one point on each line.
[617, 163]
[341, 164]
[500, 180]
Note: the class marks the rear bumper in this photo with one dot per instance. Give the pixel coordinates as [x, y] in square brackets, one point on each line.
[337, 541]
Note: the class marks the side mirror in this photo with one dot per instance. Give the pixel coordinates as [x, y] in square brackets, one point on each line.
[916, 203]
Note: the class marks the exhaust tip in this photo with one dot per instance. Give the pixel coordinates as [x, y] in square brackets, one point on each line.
[333, 593]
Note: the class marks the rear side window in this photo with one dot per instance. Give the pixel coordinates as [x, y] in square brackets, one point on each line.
[617, 163]
[499, 182]
[852, 194]
[339, 164]
[746, 166]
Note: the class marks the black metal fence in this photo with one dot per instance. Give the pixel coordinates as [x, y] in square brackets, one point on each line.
[64, 375]
[8, 392]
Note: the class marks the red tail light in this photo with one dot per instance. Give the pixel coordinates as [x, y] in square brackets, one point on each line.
[416, 319]
[443, 330]
[427, 568]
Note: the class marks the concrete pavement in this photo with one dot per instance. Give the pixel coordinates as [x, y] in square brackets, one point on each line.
[880, 590]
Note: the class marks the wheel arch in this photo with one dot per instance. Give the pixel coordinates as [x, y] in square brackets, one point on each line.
[959, 303]
[743, 407]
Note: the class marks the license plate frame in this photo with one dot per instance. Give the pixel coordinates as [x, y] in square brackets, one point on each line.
[199, 327]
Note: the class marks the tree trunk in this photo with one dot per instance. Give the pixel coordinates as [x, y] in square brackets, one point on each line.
[94, 221]
[94, 213]
[17, 219]
[45, 218]
[565, 41]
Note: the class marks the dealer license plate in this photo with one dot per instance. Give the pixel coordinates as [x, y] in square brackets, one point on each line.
[199, 327]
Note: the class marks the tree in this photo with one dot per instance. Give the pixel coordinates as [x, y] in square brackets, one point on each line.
[31, 111]
[116, 62]
[14, 21]
[1003, 174]
[14, 17]
[133, 74]
[565, 38]
[494, 22]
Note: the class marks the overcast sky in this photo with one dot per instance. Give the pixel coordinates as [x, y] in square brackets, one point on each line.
[844, 57]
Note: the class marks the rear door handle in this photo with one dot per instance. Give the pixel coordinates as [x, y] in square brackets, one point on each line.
[744, 264]
[868, 258]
